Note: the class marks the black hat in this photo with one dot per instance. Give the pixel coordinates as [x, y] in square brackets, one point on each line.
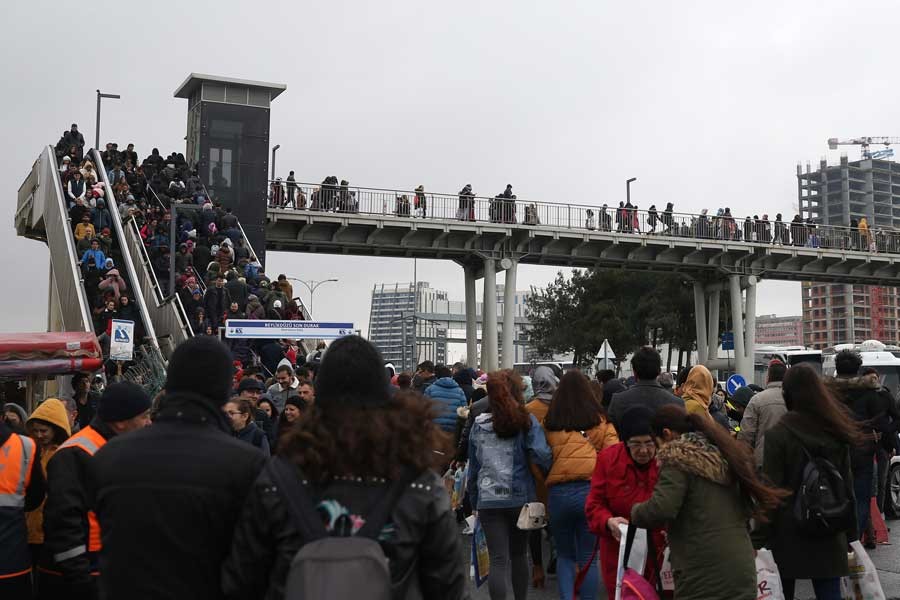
[201, 366]
[742, 396]
[250, 383]
[351, 375]
[122, 401]
[635, 421]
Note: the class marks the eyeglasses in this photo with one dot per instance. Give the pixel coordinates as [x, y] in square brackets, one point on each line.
[641, 445]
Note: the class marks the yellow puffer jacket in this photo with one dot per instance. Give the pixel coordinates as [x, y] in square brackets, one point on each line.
[54, 412]
[575, 454]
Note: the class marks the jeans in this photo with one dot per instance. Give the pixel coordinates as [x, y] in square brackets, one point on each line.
[574, 541]
[506, 546]
[862, 487]
[825, 589]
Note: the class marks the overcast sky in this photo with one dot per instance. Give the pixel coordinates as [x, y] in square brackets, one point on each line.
[708, 104]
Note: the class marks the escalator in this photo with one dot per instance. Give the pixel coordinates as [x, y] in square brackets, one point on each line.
[166, 313]
[42, 214]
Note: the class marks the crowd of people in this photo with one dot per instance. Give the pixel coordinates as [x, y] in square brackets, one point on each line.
[334, 196]
[217, 276]
[272, 486]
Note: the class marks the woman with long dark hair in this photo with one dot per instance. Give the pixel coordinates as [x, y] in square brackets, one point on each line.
[576, 431]
[502, 443]
[816, 425]
[357, 444]
[707, 491]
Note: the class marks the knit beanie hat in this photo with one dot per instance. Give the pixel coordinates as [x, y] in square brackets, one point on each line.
[201, 366]
[741, 396]
[351, 375]
[635, 421]
[122, 401]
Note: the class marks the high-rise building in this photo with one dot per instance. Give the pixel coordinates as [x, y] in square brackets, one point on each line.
[840, 195]
[410, 323]
[772, 330]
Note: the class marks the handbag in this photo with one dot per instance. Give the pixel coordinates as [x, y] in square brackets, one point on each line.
[532, 516]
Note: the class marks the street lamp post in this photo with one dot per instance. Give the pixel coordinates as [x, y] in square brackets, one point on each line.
[312, 285]
[274, 150]
[100, 96]
[628, 189]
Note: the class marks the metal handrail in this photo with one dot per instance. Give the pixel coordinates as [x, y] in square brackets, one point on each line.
[516, 212]
[160, 298]
[126, 256]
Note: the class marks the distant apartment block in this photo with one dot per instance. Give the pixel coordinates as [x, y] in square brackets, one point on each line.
[772, 330]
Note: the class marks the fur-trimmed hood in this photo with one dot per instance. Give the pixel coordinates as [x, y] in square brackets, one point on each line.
[843, 384]
[694, 454]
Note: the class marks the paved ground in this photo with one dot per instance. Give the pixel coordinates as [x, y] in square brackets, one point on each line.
[886, 559]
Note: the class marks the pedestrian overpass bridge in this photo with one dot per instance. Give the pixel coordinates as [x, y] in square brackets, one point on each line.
[484, 235]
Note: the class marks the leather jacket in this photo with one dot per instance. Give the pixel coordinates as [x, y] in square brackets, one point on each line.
[425, 554]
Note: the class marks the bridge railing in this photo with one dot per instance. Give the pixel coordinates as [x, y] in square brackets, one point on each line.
[413, 204]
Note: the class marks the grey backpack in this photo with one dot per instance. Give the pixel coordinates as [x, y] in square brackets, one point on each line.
[336, 567]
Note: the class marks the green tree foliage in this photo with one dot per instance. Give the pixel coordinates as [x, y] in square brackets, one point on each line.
[629, 308]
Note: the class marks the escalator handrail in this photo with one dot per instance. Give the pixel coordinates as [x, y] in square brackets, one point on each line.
[83, 304]
[157, 290]
[126, 255]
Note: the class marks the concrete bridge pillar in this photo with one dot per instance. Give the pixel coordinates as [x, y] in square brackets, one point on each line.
[489, 317]
[509, 314]
[471, 319]
[700, 322]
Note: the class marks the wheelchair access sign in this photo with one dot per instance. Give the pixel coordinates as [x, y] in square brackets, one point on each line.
[121, 345]
[311, 330]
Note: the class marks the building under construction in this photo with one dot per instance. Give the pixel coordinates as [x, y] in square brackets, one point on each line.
[842, 195]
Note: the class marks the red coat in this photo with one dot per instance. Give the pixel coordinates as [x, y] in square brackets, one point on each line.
[616, 485]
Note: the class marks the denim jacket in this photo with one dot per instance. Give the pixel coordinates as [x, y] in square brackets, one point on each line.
[499, 475]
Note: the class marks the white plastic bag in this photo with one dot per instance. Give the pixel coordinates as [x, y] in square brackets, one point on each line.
[636, 560]
[665, 573]
[863, 582]
[768, 581]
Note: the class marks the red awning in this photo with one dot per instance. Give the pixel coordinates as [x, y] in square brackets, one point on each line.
[31, 346]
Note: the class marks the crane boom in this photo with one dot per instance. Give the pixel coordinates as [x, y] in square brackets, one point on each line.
[864, 142]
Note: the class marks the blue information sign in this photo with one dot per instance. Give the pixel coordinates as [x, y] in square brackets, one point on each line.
[727, 340]
[734, 383]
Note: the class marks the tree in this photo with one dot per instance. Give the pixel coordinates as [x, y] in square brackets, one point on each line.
[629, 308]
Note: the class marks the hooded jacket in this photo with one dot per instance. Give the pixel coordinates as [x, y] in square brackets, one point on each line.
[697, 390]
[499, 475]
[543, 382]
[646, 392]
[51, 411]
[699, 500]
[447, 396]
[860, 395]
[798, 555]
[164, 487]
[114, 282]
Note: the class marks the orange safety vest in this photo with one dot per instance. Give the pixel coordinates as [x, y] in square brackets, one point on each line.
[17, 457]
[16, 461]
[89, 440]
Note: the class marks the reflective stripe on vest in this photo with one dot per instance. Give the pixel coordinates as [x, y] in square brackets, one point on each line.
[16, 460]
[89, 440]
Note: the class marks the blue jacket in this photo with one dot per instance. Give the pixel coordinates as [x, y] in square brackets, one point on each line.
[499, 475]
[448, 396]
[96, 255]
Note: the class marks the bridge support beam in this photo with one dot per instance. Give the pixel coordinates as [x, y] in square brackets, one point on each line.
[743, 316]
[712, 325]
[489, 317]
[700, 322]
[509, 317]
[471, 320]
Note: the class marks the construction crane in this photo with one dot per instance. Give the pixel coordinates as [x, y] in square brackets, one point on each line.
[864, 142]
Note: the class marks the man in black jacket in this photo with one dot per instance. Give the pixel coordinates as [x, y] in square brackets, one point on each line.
[860, 396]
[168, 497]
[71, 533]
[647, 365]
[216, 302]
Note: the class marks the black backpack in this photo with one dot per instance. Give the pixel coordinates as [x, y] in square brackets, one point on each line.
[822, 506]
